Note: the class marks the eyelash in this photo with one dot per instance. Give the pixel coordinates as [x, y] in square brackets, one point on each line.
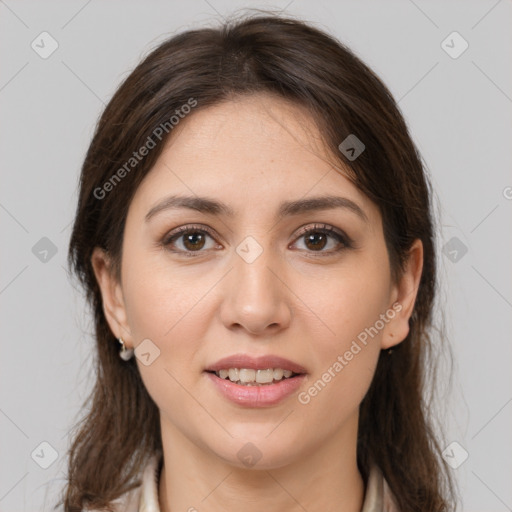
[343, 239]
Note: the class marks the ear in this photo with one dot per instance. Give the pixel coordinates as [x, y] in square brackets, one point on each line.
[403, 298]
[112, 296]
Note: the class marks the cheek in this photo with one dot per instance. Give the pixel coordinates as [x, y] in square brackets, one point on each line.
[158, 297]
[347, 345]
[164, 306]
[346, 302]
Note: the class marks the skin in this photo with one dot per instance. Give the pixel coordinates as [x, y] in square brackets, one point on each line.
[297, 300]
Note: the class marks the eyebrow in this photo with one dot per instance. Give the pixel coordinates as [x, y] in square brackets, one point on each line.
[287, 208]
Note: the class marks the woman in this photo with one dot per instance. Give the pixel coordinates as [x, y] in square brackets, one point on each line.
[254, 230]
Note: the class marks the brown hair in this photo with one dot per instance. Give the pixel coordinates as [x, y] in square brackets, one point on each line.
[287, 57]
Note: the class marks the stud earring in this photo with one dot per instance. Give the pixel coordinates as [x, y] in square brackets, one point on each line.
[125, 353]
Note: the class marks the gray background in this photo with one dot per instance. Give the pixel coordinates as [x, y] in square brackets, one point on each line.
[459, 113]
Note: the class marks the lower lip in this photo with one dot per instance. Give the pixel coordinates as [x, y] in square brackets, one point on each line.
[256, 396]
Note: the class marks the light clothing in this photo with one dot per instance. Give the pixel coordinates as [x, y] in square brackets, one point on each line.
[144, 498]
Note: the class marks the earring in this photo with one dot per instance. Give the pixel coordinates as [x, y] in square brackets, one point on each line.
[389, 351]
[125, 353]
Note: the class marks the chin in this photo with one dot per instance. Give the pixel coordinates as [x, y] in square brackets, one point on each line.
[259, 450]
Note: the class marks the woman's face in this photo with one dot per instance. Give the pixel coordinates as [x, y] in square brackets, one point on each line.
[255, 283]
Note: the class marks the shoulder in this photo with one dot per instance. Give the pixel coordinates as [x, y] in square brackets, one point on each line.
[378, 495]
[128, 502]
[144, 497]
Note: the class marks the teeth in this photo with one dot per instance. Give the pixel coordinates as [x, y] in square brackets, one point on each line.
[246, 375]
[250, 377]
[265, 376]
[278, 373]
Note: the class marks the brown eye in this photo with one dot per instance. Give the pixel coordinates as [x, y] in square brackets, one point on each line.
[316, 240]
[193, 240]
[188, 239]
[319, 236]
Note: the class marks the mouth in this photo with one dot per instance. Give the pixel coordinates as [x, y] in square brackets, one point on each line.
[241, 387]
[254, 377]
[256, 381]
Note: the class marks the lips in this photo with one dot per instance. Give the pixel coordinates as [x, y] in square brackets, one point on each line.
[267, 395]
[255, 363]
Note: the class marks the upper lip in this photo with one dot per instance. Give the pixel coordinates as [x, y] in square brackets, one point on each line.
[255, 363]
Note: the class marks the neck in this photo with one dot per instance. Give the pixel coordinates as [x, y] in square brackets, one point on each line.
[324, 478]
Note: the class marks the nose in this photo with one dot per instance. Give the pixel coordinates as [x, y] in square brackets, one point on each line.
[256, 297]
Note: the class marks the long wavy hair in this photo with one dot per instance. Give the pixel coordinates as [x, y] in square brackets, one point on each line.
[268, 53]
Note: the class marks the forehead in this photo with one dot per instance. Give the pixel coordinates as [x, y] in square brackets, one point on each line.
[251, 153]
